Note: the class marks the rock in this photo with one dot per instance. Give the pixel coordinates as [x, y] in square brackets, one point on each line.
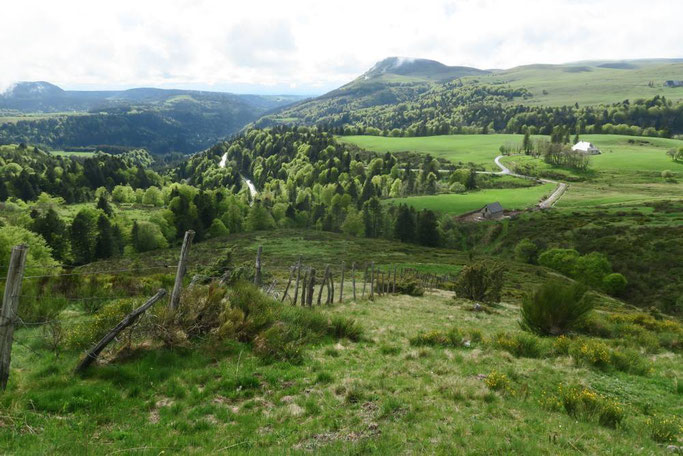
[467, 343]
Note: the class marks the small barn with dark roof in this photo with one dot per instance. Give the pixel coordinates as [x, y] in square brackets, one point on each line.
[492, 210]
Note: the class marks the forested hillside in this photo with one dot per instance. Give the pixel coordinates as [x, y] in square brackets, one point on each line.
[400, 100]
[161, 121]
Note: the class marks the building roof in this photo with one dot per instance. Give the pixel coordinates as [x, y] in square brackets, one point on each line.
[494, 207]
[583, 145]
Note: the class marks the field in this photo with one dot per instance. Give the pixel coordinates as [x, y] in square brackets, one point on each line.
[588, 84]
[67, 153]
[478, 149]
[455, 204]
[627, 172]
[385, 393]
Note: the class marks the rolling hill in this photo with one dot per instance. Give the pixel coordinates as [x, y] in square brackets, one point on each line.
[397, 87]
[162, 121]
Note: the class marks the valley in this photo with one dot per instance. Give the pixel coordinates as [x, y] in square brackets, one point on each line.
[332, 275]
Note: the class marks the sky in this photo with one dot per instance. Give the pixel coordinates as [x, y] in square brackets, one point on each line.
[310, 47]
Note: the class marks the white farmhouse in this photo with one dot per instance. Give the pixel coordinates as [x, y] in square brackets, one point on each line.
[586, 148]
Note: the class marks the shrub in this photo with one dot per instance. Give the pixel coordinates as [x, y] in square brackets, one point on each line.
[410, 288]
[480, 282]
[498, 382]
[520, 344]
[451, 338]
[665, 430]
[598, 354]
[614, 284]
[341, 328]
[562, 260]
[85, 333]
[581, 402]
[555, 308]
[526, 251]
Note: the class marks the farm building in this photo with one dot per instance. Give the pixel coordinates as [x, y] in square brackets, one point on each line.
[492, 210]
[674, 83]
[586, 148]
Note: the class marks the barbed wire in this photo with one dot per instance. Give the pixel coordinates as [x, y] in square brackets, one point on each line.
[111, 271]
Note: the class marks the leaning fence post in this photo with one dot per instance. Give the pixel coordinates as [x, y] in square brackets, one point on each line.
[324, 283]
[311, 284]
[353, 279]
[182, 268]
[341, 285]
[128, 320]
[257, 274]
[298, 277]
[289, 282]
[10, 305]
[372, 279]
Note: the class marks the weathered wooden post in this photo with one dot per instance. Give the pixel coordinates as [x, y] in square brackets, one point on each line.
[128, 320]
[372, 279]
[393, 288]
[330, 288]
[304, 287]
[353, 279]
[10, 306]
[365, 280]
[182, 269]
[323, 284]
[309, 292]
[298, 277]
[257, 274]
[289, 282]
[341, 285]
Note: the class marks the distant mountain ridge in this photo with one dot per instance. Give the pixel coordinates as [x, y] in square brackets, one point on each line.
[42, 96]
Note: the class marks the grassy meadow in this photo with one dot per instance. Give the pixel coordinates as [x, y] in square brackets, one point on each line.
[454, 204]
[488, 388]
[589, 84]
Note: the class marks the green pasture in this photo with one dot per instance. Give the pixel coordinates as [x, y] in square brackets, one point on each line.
[588, 84]
[455, 204]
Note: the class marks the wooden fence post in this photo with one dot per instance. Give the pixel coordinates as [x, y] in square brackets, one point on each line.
[353, 279]
[372, 279]
[311, 284]
[128, 320]
[10, 306]
[182, 269]
[365, 280]
[330, 288]
[257, 274]
[304, 287]
[341, 285]
[298, 277]
[324, 283]
[289, 282]
[393, 288]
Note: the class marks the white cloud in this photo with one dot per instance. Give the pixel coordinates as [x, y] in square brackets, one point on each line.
[310, 46]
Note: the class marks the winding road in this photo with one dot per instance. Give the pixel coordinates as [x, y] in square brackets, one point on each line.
[544, 204]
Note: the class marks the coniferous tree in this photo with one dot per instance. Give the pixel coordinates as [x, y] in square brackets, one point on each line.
[104, 206]
[427, 229]
[82, 233]
[404, 229]
[53, 230]
[104, 244]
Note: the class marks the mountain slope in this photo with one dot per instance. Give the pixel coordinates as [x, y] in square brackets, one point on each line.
[395, 86]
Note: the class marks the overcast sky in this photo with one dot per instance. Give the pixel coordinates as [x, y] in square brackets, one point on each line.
[308, 47]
